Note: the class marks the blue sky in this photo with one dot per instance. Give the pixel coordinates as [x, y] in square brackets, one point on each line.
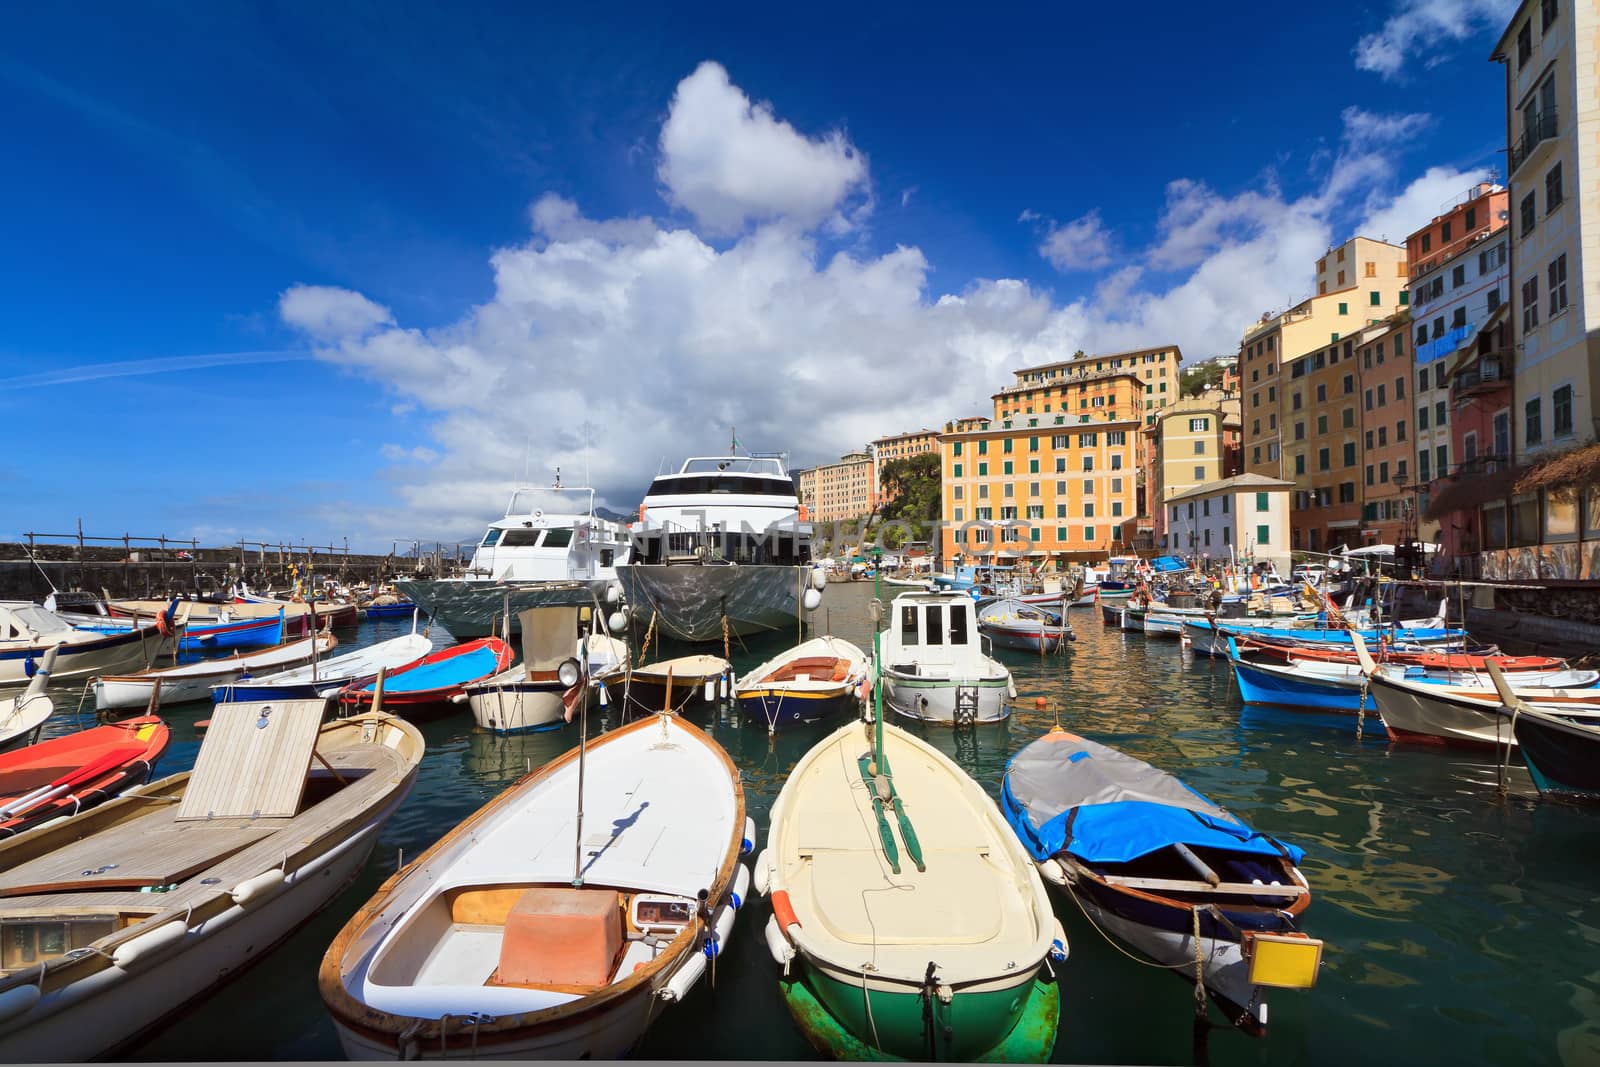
[301, 273]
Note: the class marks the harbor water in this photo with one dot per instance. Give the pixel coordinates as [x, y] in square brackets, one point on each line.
[1461, 922]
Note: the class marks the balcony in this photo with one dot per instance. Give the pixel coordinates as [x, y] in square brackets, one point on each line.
[1486, 374]
[1538, 129]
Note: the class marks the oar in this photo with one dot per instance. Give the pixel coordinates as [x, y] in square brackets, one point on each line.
[50, 791]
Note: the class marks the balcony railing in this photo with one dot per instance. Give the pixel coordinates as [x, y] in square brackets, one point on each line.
[1487, 372]
[1540, 128]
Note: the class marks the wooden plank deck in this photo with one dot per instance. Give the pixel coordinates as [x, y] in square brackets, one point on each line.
[151, 852]
[254, 760]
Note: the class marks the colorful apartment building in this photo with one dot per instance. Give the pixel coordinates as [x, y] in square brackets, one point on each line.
[1039, 390]
[1192, 442]
[1058, 460]
[1552, 77]
[1390, 506]
[1322, 450]
[1242, 518]
[831, 492]
[1358, 283]
[885, 450]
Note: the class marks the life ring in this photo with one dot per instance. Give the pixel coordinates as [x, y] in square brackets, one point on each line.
[784, 910]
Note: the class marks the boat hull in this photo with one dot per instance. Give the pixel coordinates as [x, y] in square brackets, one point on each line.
[1012, 1023]
[477, 609]
[1426, 719]
[693, 603]
[520, 707]
[934, 700]
[1259, 685]
[111, 654]
[112, 1009]
[778, 710]
[1563, 761]
[1006, 637]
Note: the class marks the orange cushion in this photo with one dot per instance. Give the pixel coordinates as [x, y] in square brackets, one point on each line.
[561, 936]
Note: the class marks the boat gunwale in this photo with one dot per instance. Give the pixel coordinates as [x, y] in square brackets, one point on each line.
[383, 1027]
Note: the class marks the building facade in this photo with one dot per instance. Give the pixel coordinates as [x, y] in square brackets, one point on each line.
[1551, 55]
[842, 490]
[1191, 443]
[899, 446]
[1322, 449]
[1238, 519]
[1389, 492]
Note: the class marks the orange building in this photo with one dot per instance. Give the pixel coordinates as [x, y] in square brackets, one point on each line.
[1388, 433]
[900, 446]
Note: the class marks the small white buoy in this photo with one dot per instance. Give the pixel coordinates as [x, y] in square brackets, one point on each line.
[605, 698]
[618, 622]
[819, 578]
[812, 600]
[613, 592]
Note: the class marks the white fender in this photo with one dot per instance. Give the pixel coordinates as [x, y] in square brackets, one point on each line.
[14, 1002]
[711, 691]
[764, 872]
[819, 579]
[721, 926]
[748, 845]
[1052, 872]
[811, 600]
[130, 952]
[741, 887]
[778, 945]
[684, 978]
[254, 890]
[605, 698]
[1058, 942]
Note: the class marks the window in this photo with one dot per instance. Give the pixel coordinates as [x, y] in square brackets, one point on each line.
[1458, 277]
[1344, 309]
[1199, 474]
[909, 619]
[1400, 430]
[1405, 294]
[1088, 440]
[1530, 304]
[1199, 448]
[1262, 537]
[1552, 189]
[1427, 242]
[1061, 464]
[983, 492]
[1374, 297]
[1299, 463]
[1382, 392]
[1400, 388]
[1061, 533]
[1383, 472]
[1369, 439]
[1529, 213]
[1532, 422]
[1061, 511]
[958, 470]
[1349, 384]
[1369, 399]
[1347, 492]
[1547, 15]
[1116, 485]
[1422, 466]
[1007, 448]
[1322, 425]
[1007, 468]
[1438, 327]
[1558, 285]
[1033, 466]
[1350, 454]
[983, 470]
[1441, 460]
[1116, 437]
[1561, 411]
[1438, 413]
[1349, 418]
[1299, 431]
[1444, 233]
[1198, 425]
[1116, 462]
[1458, 318]
[1294, 400]
[1369, 474]
[1088, 463]
[1469, 447]
[1322, 393]
[1261, 502]
[956, 451]
[1225, 499]
[1494, 298]
[1422, 416]
[1324, 461]
[1502, 435]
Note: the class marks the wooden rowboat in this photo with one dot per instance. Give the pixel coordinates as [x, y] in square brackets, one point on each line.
[426, 688]
[816, 680]
[68, 774]
[118, 918]
[562, 916]
[193, 681]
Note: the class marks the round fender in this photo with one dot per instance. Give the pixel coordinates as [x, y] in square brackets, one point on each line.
[777, 944]
[684, 978]
[783, 910]
[741, 887]
[764, 872]
[748, 844]
[1052, 872]
[148, 944]
[254, 890]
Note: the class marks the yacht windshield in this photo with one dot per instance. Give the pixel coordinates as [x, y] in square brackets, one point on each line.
[733, 465]
[721, 483]
[491, 538]
[558, 537]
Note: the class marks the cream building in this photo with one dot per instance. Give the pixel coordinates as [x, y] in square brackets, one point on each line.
[842, 490]
[899, 446]
[1189, 444]
[1240, 518]
[1551, 54]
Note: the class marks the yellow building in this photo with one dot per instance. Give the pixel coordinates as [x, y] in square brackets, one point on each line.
[1038, 390]
[1193, 442]
[900, 446]
[1359, 283]
[842, 490]
[1064, 474]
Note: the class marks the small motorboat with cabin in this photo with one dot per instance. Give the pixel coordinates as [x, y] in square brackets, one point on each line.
[1013, 623]
[810, 683]
[426, 689]
[549, 549]
[323, 678]
[28, 631]
[1160, 867]
[194, 681]
[118, 918]
[547, 688]
[721, 549]
[562, 917]
[933, 665]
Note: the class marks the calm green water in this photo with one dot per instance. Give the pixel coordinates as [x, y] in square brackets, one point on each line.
[1461, 926]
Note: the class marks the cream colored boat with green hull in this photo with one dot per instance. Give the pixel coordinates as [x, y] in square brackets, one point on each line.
[908, 921]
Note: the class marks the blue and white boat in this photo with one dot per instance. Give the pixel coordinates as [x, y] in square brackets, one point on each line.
[1158, 866]
[326, 677]
[814, 681]
[210, 637]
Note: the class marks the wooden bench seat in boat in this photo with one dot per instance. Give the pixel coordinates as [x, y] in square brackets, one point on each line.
[811, 668]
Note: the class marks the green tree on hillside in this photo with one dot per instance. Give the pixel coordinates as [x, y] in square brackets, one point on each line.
[1198, 379]
[910, 488]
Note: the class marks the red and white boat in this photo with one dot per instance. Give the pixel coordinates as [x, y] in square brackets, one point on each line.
[65, 775]
[427, 688]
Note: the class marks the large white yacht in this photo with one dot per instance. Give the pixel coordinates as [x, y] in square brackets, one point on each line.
[550, 548]
[721, 541]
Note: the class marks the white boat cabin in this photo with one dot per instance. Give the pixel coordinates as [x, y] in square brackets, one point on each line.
[27, 623]
[543, 538]
[742, 509]
[933, 630]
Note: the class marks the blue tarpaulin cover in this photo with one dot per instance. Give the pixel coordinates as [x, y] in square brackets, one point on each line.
[1168, 564]
[1063, 793]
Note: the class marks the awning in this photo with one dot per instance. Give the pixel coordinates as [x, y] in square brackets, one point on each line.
[1469, 493]
[1344, 524]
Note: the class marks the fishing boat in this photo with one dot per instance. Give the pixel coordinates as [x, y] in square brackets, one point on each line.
[203, 613]
[118, 918]
[1439, 715]
[549, 549]
[1111, 610]
[814, 681]
[210, 636]
[328, 613]
[721, 549]
[546, 688]
[562, 917]
[906, 918]
[1562, 755]
[1158, 866]
[1014, 623]
[194, 681]
[71, 773]
[24, 714]
[425, 689]
[934, 669]
[324, 677]
[1131, 618]
[28, 631]
[683, 685]
[400, 609]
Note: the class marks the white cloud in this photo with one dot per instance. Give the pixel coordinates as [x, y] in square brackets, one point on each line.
[328, 313]
[1393, 218]
[613, 347]
[1366, 129]
[730, 162]
[1413, 34]
[1082, 244]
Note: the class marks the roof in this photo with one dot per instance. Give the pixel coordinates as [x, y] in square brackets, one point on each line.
[1104, 355]
[1238, 481]
[904, 435]
[1468, 493]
